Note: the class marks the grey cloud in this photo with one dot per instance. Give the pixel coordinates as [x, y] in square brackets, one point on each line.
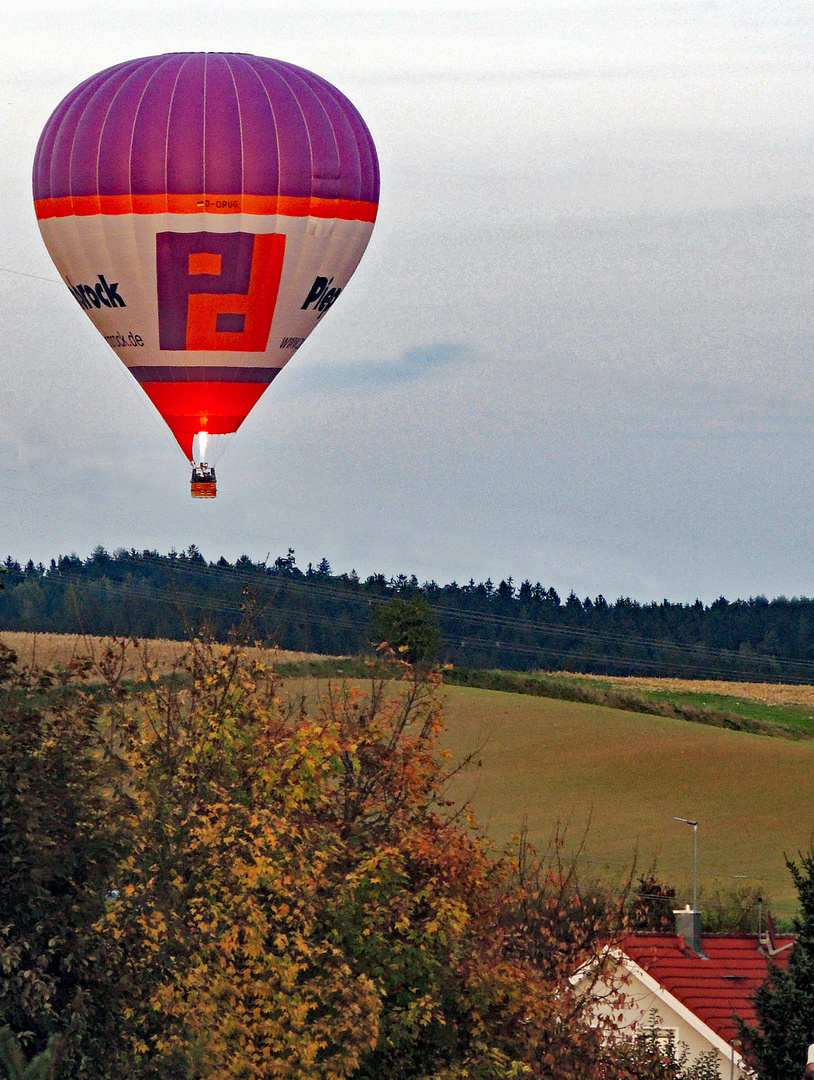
[422, 364]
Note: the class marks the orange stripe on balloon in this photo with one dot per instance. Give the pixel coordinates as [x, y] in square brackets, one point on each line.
[287, 205]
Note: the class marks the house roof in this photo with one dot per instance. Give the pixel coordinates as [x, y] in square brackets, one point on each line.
[716, 987]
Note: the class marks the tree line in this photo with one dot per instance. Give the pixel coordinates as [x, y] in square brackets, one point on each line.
[505, 625]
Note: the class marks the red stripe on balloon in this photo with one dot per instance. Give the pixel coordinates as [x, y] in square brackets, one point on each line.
[286, 205]
[189, 407]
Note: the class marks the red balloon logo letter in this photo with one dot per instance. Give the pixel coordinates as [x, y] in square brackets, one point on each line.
[229, 199]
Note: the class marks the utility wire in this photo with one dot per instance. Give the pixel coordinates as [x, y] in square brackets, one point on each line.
[36, 277]
[575, 643]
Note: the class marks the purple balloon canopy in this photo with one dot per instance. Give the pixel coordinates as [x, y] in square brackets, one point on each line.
[193, 123]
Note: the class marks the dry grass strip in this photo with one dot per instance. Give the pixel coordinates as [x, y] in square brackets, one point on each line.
[769, 693]
[42, 650]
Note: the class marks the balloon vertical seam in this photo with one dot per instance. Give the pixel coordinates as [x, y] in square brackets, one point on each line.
[240, 129]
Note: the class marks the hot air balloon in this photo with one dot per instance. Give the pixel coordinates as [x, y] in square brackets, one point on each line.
[205, 210]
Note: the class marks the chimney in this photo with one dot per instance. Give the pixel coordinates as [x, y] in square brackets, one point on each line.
[688, 926]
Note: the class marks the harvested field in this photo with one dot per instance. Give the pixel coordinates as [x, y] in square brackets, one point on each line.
[769, 693]
[51, 650]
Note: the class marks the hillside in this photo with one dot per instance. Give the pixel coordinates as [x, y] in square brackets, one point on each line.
[629, 774]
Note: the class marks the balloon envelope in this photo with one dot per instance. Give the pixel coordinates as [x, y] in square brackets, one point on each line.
[205, 210]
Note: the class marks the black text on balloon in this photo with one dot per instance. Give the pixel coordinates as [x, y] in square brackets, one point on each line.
[99, 295]
[321, 295]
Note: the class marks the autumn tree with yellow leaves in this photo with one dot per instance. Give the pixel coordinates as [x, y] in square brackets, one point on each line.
[277, 887]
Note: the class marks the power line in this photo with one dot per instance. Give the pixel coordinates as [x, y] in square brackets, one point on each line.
[549, 640]
[580, 634]
[36, 277]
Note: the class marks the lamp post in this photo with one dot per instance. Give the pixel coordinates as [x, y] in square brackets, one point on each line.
[688, 821]
[733, 1044]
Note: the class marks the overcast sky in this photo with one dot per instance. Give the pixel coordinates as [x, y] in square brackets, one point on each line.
[578, 348]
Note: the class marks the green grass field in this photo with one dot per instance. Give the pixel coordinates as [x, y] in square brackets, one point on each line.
[794, 717]
[550, 761]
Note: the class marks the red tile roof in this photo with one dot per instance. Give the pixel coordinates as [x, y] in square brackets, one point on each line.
[716, 987]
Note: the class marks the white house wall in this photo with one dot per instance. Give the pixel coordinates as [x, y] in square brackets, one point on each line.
[643, 995]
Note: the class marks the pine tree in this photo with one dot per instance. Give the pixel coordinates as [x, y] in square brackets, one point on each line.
[785, 1002]
[14, 1063]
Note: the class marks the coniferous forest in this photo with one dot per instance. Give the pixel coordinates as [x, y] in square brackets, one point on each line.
[505, 625]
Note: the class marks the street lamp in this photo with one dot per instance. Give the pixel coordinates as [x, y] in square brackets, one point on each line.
[688, 821]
